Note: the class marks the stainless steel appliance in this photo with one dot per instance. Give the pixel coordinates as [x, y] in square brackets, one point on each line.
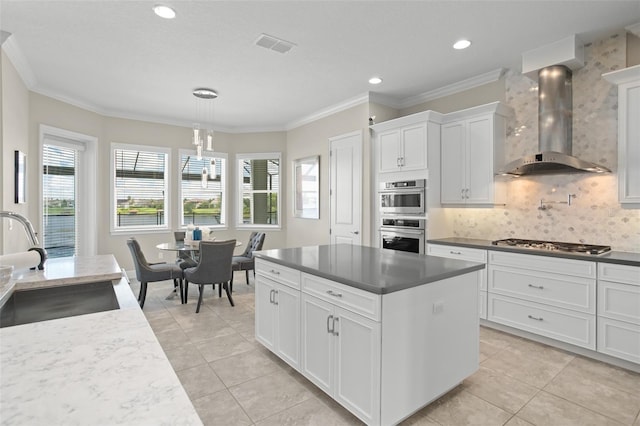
[402, 234]
[553, 245]
[404, 197]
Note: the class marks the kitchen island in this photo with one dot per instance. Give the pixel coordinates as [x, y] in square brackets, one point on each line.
[380, 331]
[100, 368]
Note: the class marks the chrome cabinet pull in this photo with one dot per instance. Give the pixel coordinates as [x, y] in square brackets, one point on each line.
[335, 332]
[455, 252]
[273, 271]
[275, 293]
[535, 318]
[331, 293]
[398, 161]
[271, 296]
[462, 193]
[539, 287]
[330, 319]
[467, 193]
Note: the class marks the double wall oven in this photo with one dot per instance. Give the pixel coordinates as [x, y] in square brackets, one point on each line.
[402, 207]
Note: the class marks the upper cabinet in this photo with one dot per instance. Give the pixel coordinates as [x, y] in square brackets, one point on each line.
[402, 143]
[472, 150]
[628, 81]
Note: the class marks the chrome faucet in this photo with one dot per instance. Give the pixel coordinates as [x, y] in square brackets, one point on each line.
[31, 234]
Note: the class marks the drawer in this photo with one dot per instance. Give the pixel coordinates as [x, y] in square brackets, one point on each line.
[455, 252]
[619, 301]
[576, 328]
[353, 299]
[578, 268]
[619, 273]
[279, 273]
[461, 253]
[482, 301]
[619, 339]
[563, 291]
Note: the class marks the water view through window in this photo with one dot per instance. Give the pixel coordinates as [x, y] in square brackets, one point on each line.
[59, 200]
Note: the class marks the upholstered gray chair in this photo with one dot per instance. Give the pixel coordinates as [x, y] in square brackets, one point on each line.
[245, 261]
[185, 260]
[214, 267]
[151, 272]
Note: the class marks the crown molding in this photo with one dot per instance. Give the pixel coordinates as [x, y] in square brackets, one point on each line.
[634, 29]
[344, 105]
[450, 89]
[19, 61]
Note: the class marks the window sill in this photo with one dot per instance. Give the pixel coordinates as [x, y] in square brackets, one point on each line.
[259, 227]
[138, 231]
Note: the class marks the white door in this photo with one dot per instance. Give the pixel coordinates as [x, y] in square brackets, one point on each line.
[414, 147]
[389, 149]
[479, 159]
[346, 188]
[453, 163]
[318, 342]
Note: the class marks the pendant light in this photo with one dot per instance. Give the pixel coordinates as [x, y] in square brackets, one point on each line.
[204, 113]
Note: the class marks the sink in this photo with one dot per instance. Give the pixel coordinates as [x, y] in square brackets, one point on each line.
[47, 303]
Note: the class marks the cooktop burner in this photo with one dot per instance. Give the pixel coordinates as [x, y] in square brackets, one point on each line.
[553, 245]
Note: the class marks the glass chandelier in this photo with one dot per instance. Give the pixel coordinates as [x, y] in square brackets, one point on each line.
[203, 136]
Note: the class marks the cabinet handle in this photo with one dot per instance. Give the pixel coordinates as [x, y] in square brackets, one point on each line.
[455, 252]
[336, 333]
[275, 293]
[331, 293]
[535, 318]
[329, 319]
[271, 296]
[398, 161]
[462, 193]
[402, 161]
[273, 271]
[539, 287]
[467, 193]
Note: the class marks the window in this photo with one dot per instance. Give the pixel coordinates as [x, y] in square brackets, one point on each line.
[259, 190]
[140, 187]
[203, 197]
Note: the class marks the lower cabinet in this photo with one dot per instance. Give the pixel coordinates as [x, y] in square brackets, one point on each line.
[278, 318]
[549, 296]
[341, 355]
[619, 311]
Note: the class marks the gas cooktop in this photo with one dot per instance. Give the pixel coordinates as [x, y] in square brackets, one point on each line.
[553, 245]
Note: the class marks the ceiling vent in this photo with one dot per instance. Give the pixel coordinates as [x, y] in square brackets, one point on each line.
[274, 43]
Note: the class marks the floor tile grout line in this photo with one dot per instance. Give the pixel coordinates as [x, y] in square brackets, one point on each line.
[582, 406]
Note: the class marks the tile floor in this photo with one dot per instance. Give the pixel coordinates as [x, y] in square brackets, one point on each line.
[233, 380]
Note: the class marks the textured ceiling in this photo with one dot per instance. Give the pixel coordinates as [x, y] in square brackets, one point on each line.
[119, 59]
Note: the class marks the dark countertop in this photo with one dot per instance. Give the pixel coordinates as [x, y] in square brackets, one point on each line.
[367, 268]
[619, 257]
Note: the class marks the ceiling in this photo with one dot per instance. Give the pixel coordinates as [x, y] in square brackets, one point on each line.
[119, 59]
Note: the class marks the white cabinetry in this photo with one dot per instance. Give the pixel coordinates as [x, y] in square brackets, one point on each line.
[628, 81]
[619, 311]
[471, 255]
[402, 142]
[278, 310]
[472, 147]
[341, 348]
[550, 296]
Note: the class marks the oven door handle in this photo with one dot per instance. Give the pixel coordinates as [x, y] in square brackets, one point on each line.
[396, 231]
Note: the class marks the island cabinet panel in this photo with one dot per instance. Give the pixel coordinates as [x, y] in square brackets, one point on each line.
[277, 318]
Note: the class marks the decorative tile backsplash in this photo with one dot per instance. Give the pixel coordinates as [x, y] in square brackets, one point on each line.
[594, 216]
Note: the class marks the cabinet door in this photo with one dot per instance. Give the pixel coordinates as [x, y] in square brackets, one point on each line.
[317, 342]
[389, 147]
[452, 164]
[413, 150]
[358, 350]
[265, 318]
[479, 161]
[287, 302]
[629, 142]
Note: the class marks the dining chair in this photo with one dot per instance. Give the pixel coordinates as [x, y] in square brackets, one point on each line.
[152, 272]
[214, 267]
[185, 260]
[245, 262]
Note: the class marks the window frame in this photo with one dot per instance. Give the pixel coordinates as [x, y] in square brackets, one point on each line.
[239, 158]
[225, 187]
[148, 229]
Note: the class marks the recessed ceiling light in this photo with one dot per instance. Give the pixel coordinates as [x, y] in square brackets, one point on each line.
[164, 11]
[461, 44]
[375, 80]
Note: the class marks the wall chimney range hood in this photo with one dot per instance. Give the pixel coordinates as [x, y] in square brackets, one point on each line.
[555, 113]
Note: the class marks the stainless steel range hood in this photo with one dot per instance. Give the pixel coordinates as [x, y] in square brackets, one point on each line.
[555, 114]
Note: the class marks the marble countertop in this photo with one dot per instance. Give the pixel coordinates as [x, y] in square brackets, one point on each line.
[104, 368]
[618, 257]
[367, 268]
